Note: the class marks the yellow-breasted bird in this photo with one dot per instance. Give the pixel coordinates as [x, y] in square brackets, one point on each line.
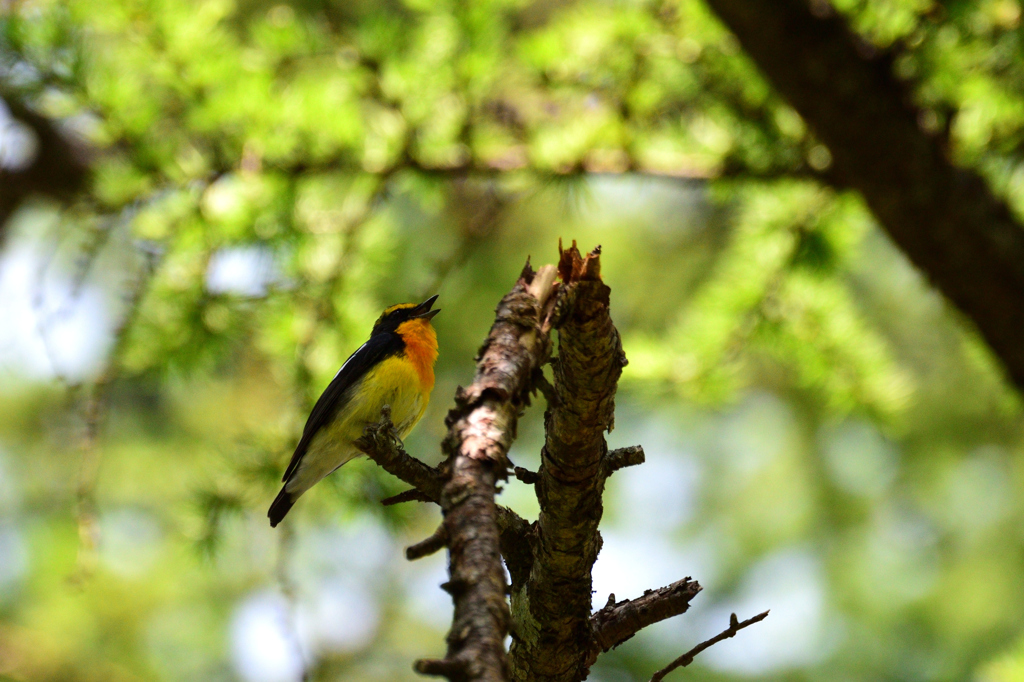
[394, 367]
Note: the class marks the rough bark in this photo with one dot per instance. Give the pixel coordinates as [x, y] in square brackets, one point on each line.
[481, 428]
[619, 621]
[380, 444]
[623, 457]
[553, 608]
[944, 218]
[476, 579]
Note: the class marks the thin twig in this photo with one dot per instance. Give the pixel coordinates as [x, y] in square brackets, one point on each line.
[474, 228]
[525, 475]
[622, 458]
[381, 445]
[619, 621]
[435, 667]
[411, 495]
[687, 658]
[85, 497]
[93, 409]
[435, 543]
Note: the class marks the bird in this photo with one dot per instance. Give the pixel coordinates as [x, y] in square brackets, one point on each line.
[394, 367]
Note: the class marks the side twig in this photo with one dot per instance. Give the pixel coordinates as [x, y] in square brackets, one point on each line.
[525, 475]
[619, 621]
[411, 495]
[687, 658]
[435, 543]
[381, 445]
[622, 458]
[93, 412]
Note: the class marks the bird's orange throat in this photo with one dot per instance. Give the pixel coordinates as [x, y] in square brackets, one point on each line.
[421, 349]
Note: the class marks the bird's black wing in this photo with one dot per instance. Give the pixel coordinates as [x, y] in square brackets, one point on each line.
[335, 396]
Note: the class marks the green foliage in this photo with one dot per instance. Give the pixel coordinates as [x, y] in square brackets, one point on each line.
[269, 176]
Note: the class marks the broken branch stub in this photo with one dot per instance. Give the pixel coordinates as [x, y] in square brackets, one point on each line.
[619, 621]
[553, 638]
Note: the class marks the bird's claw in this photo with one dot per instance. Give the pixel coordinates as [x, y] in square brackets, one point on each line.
[385, 426]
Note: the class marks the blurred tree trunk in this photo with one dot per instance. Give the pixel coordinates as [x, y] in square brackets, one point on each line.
[944, 218]
[58, 167]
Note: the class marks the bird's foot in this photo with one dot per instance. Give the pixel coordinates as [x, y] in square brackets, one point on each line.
[383, 430]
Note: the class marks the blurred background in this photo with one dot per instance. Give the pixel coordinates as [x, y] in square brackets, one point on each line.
[239, 187]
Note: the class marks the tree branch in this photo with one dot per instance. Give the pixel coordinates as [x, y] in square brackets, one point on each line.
[687, 658]
[58, 169]
[618, 621]
[622, 458]
[435, 543]
[380, 444]
[481, 428]
[93, 412]
[944, 218]
[410, 495]
[525, 475]
[553, 637]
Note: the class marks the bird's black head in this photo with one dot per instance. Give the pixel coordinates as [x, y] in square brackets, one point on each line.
[403, 312]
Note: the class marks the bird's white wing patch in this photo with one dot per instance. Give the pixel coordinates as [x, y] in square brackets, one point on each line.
[345, 364]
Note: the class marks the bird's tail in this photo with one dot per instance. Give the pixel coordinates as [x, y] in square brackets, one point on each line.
[282, 503]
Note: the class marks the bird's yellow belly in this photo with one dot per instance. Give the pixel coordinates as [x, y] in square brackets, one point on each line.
[392, 382]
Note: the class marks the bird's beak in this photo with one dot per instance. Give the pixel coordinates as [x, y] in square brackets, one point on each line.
[423, 311]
